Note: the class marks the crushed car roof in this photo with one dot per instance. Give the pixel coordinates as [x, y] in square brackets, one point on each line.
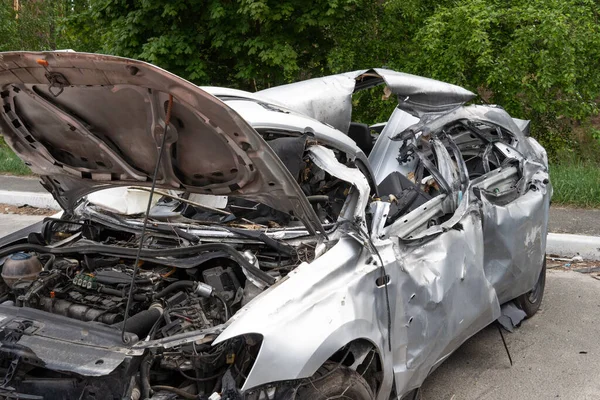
[329, 99]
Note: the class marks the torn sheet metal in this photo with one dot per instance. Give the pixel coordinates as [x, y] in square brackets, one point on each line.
[445, 297]
[329, 99]
[475, 113]
[511, 316]
[263, 117]
[418, 95]
[383, 157]
[325, 159]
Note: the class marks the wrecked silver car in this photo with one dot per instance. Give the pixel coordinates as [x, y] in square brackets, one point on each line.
[287, 252]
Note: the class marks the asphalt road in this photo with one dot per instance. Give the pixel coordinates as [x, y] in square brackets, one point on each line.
[575, 220]
[21, 184]
[556, 353]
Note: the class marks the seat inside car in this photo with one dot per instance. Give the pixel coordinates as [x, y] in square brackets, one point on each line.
[407, 195]
[361, 134]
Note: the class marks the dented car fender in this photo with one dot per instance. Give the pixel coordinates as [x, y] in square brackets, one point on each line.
[319, 309]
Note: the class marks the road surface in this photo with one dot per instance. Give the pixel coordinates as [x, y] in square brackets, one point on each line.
[556, 353]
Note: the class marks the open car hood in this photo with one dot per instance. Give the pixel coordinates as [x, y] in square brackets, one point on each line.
[86, 122]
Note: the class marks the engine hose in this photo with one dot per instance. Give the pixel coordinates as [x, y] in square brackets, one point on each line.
[49, 263]
[317, 198]
[145, 375]
[142, 322]
[131, 253]
[176, 286]
[177, 391]
[225, 306]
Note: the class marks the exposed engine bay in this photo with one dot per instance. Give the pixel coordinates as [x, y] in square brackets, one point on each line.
[210, 284]
[82, 268]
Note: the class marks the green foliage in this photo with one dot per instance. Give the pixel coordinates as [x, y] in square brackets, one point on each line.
[39, 25]
[576, 183]
[251, 44]
[372, 106]
[538, 59]
[10, 163]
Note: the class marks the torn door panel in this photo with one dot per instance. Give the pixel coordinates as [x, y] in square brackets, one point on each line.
[515, 240]
[445, 297]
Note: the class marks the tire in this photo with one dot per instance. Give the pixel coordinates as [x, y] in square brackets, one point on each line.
[334, 381]
[530, 302]
[413, 395]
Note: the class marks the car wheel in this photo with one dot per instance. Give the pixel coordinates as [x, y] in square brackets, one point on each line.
[335, 381]
[530, 302]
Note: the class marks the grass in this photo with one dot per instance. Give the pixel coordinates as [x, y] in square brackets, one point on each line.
[10, 163]
[576, 184]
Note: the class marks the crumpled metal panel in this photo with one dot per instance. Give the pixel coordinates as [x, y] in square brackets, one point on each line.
[318, 309]
[445, 295]
[447, 281]
[515, 240]
[488, 114]
[64, 344]
[418, 95]
[439, 297]
[329, 99]
[80, 358]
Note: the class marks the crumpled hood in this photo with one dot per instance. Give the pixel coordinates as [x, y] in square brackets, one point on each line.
[87, 121]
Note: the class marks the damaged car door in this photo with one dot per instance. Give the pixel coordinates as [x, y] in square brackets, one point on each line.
[431, 224]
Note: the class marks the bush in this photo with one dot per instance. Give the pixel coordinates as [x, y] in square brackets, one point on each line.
[10, 163]
[539, 59]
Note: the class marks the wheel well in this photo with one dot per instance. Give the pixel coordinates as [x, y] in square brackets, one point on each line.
[362, 356]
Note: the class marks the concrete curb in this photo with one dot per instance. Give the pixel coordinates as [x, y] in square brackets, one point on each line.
[568, 245]
[34, 199]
